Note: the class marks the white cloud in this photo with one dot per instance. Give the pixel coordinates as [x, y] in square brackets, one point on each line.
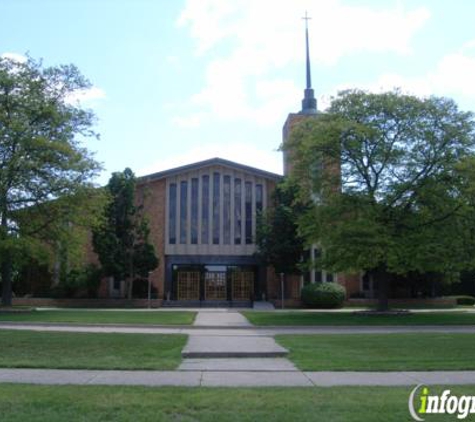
[452, 76]
[258, 37]
[239, 152]
[20, 58]
[86, 95]
[271, 27]
[191, 121]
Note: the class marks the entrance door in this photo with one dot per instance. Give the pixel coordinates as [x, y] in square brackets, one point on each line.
[215, 285]
[242, 285]
[188, 285]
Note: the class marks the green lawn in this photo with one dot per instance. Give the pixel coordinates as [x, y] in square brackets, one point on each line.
[103, 317]
[381, 352]
[19, 403]
[31, 349]
[349, 318]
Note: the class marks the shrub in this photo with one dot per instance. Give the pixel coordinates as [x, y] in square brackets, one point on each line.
[140, 289]
[323, 295]
[82, 282]
[465, 300]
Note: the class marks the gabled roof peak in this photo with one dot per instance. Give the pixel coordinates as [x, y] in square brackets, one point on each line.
[216, 161]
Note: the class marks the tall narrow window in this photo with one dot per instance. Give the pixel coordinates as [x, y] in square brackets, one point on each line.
[259, 198]
[366, 282]
[194, 211]
[172, 214]
[205, 210]
[318, 276]
[306, 259]
[248, 210]
[237, 211]
[318, 272]
[183, 211]
[227, 210]
[216, 203]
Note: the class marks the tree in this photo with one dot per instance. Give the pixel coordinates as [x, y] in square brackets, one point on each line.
[121, 242]
[277, 238]
[392, 182]
[45, 173]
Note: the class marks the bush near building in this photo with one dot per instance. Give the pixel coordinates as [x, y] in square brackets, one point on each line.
[323, 295]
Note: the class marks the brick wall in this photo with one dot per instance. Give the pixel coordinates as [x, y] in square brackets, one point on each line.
[86, 303]
[152, 195]
[351, 282]
[292, 120]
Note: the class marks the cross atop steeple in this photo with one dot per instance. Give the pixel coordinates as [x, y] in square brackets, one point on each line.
[309, 103]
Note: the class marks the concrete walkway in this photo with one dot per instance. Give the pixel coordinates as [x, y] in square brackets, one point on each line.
[236, 365]
[233, 378]
[232, 352]
[227, 319]
[225, 350]
[235, 331]
[232, 347]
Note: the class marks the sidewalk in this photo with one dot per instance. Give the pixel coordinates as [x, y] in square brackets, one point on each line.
[235, 331]
[233, 378]
[225, 350]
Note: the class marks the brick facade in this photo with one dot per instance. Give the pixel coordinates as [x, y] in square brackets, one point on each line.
[152, 195]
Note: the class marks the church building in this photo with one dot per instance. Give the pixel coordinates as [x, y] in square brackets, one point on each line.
[203, 219]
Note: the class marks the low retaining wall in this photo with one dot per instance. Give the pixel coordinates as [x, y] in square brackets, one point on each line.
[288, 303]
[436, 301]
[157, 303]
[86, 303]
[393, 303]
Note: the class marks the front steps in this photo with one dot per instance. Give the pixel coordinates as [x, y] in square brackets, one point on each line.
[207, 304]
[238, 365]
[209, 347]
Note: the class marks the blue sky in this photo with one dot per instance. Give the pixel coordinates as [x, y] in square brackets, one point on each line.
[185, 80]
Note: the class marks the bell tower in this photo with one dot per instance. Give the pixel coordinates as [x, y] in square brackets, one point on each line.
[309, 105]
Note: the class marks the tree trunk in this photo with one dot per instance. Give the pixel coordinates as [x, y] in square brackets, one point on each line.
[6, 262]
[6, 279]
[383, 290]
[130, 286]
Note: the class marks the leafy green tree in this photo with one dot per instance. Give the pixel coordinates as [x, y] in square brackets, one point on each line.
[391, 178]
[121, 242]
[278, 241]
[45, 173]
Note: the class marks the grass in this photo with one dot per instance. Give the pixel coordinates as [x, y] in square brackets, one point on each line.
[348, 318]
[103, 317]
[31, 349]
[21, 403]
[381, 352]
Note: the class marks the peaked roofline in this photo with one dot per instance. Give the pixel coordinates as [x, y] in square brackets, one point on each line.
[205, 163]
